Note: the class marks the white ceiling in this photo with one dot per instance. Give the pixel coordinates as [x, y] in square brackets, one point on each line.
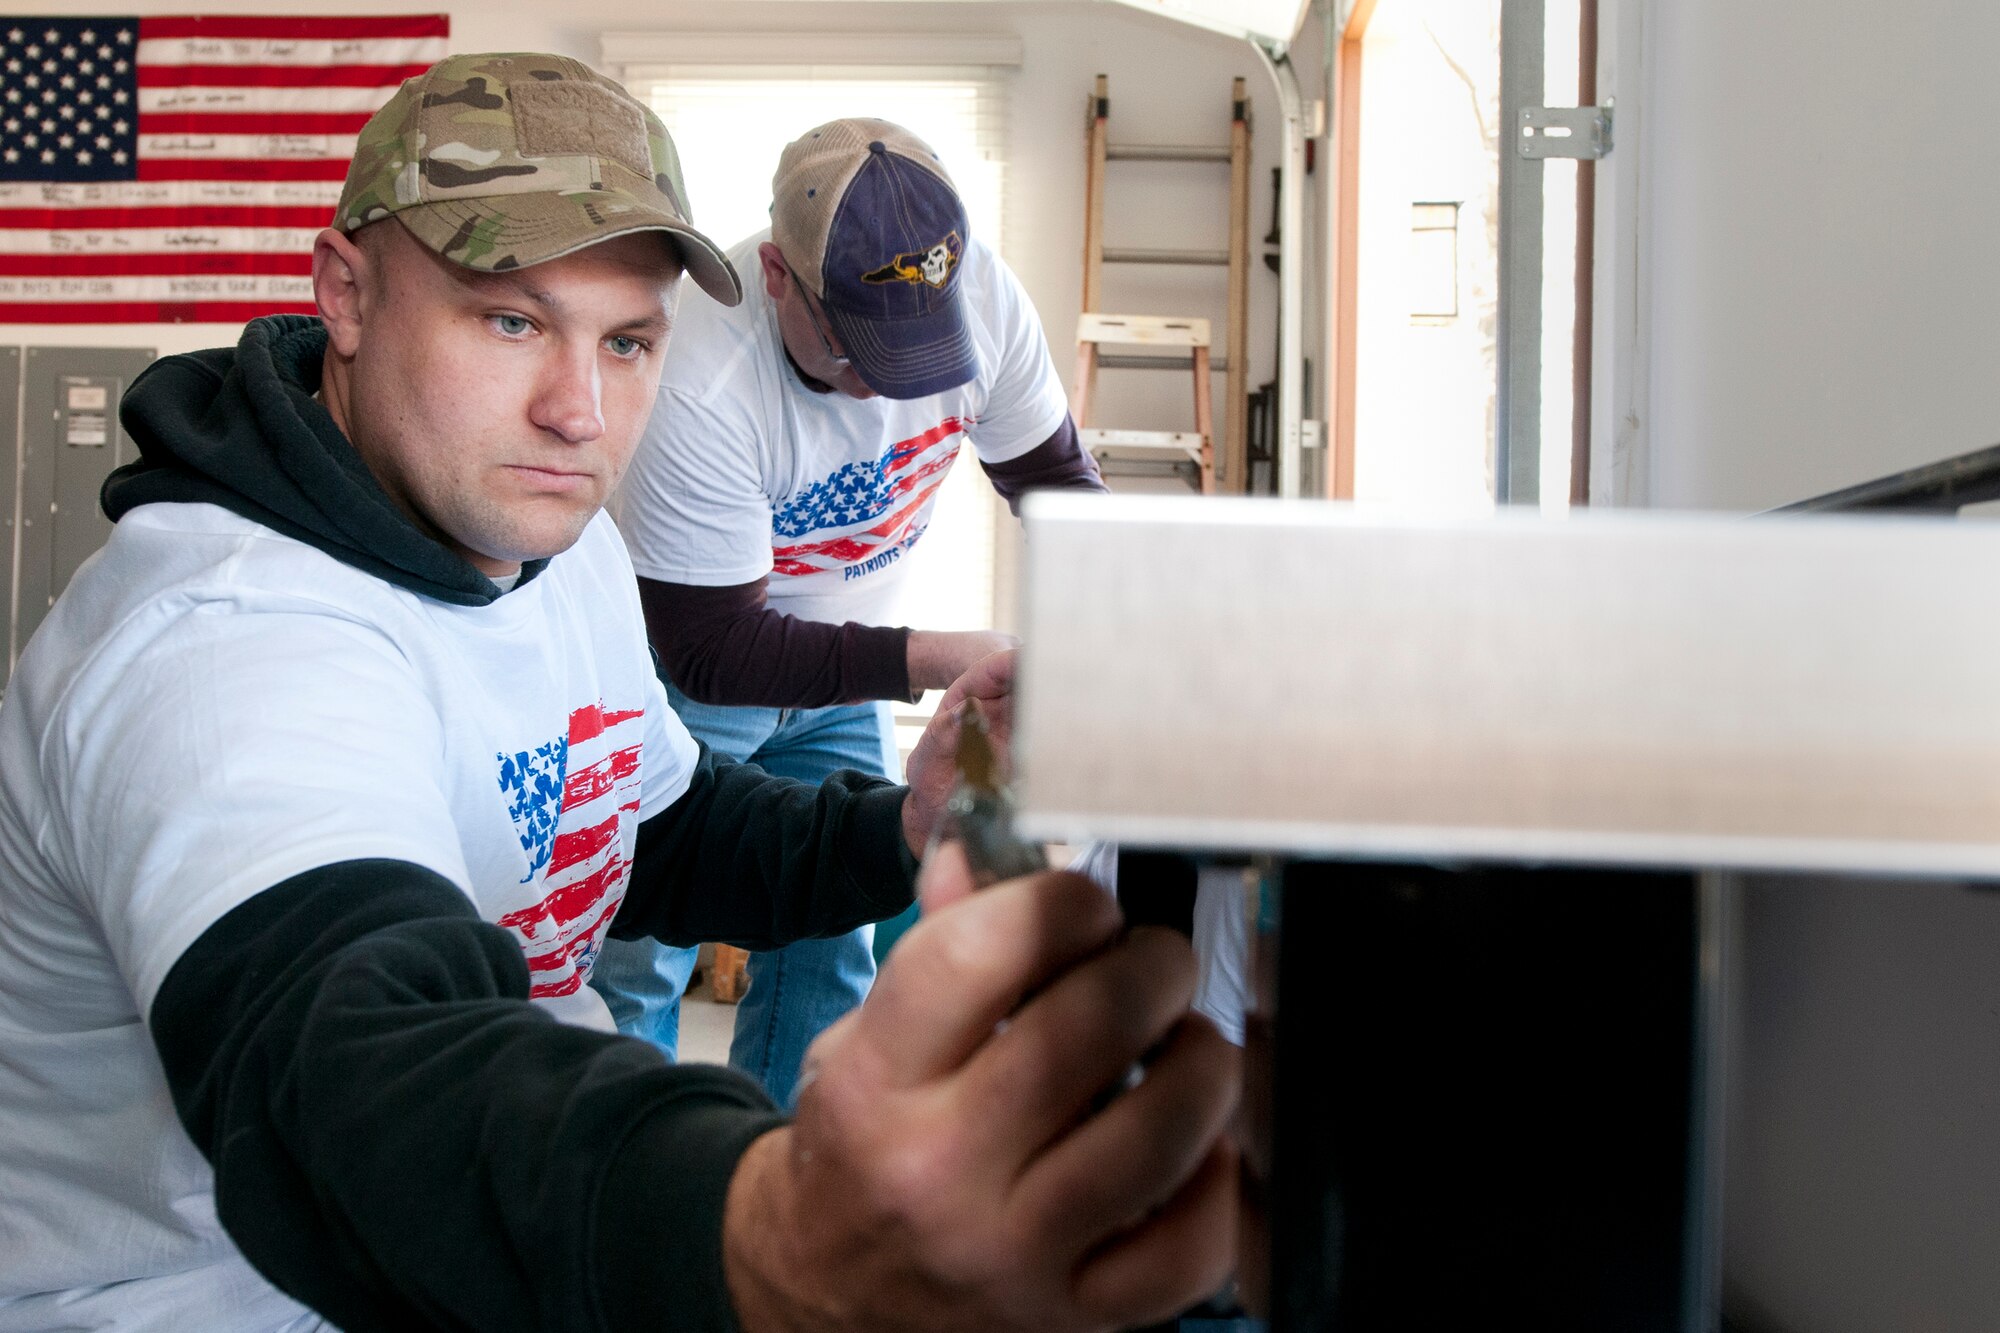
[1273, 21]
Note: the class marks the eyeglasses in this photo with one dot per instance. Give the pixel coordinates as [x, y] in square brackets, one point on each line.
[838, 361]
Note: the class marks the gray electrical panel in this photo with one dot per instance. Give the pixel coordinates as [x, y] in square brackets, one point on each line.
[70, 441]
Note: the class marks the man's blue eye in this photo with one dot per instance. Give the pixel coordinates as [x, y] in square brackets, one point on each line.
[511, 325]
[623, 346]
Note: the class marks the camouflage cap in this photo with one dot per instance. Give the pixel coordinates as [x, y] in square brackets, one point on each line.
[502, 161]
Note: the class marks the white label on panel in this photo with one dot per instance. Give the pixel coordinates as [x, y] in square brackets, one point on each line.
[88, 430]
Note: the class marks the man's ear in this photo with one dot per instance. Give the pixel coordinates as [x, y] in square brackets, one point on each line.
[341, 277]
[777, 274]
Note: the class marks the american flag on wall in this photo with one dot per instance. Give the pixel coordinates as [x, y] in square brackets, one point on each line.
[861, 518]
[178, 168]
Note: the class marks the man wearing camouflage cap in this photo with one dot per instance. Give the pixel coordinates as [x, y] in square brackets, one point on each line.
[322, 785]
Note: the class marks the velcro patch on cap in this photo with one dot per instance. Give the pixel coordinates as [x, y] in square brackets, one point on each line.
[558, 119]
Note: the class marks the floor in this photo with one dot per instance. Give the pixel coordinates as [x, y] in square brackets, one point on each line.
[705, 1029]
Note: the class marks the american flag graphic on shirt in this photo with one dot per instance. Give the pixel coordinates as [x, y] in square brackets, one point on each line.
[571, 799]
[861, 518]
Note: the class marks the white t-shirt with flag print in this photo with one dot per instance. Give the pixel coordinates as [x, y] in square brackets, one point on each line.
[210, 709]
[744, 471]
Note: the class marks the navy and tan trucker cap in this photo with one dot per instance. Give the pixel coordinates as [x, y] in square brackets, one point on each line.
[867, 217]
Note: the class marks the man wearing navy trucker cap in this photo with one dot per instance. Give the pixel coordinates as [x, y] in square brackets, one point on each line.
[787, 472]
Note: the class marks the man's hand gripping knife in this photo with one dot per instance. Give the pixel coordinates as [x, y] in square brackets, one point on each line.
[955, 1162]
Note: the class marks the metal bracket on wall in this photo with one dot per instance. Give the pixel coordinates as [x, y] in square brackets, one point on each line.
[1565, 131]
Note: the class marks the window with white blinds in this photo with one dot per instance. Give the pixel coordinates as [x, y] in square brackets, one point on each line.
[730, 123]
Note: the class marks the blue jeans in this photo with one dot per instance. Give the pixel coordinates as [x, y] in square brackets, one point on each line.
[795, 992]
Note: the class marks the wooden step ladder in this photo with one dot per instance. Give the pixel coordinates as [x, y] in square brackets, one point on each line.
[1170, 342]
[1188, 454]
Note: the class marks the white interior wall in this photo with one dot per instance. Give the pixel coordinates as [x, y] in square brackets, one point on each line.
[1824, 187]
[1424, 387]
[1819, 241]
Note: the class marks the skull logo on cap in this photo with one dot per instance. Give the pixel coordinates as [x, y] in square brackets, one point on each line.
[932, 266]
[937, 264]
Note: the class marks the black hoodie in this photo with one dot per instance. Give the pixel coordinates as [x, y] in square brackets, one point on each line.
[400, 1139]
[238, 427]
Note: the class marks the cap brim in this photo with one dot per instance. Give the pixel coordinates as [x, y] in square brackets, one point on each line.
[911, 357]
[498, 232]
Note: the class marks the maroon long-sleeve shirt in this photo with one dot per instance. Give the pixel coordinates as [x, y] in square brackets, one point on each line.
[727, 646]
